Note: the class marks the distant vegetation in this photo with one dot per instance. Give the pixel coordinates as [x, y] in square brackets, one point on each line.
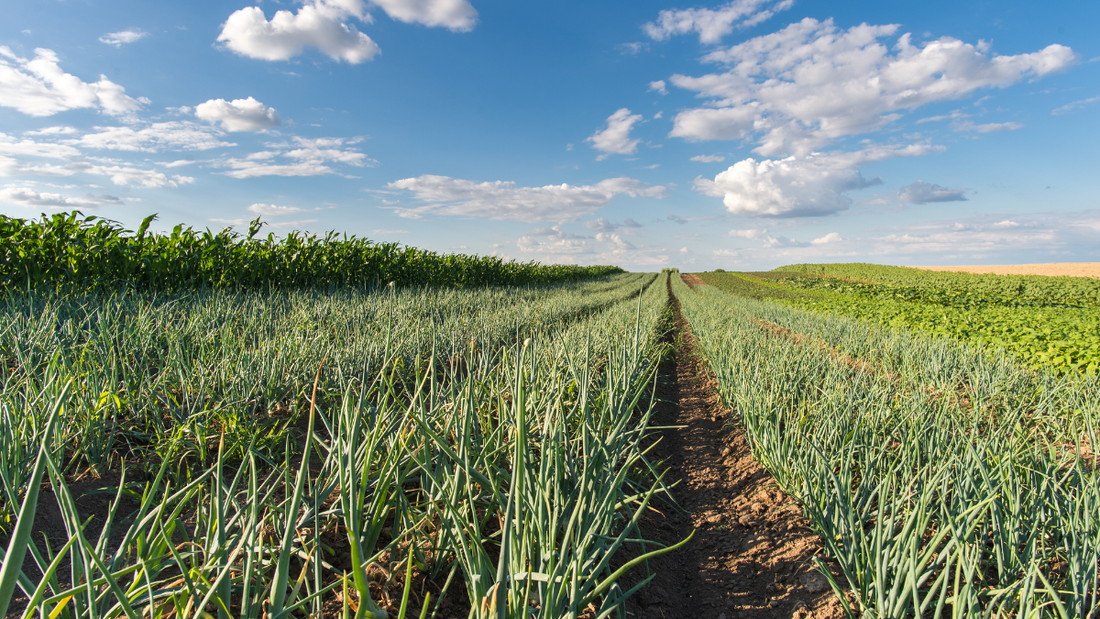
[1045, 321]
[79, 252]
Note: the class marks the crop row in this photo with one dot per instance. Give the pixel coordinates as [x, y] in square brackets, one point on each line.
[491, 439]
[942, 482]
[82, 253]
[967, 290]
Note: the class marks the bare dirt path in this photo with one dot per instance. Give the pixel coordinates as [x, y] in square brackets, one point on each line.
[751, 555]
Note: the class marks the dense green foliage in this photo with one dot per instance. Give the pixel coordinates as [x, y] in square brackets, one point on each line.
[1048, 322]
[943, 482]
[968, 290]
[78, 252]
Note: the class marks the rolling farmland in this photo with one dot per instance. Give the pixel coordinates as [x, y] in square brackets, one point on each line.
[183, 436]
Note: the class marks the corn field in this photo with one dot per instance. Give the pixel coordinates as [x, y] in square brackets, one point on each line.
[81, 253]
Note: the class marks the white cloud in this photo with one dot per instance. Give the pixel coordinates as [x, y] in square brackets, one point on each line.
[832, 237]
[658, 87]
[504, 200]
[677, 219]
[273, 210]
[530, 245]
[38, 87]
[921, 192]
[243, 168]
[157, 137]
[708, 158]
[1075, 105]
[321, 24]
[31, 198]
[603, 225]
[456, 15]
[616, 137]
[325, 25]
[615, 242]
[713, 24]
[50, 131]
[310, 157]
[988, 239]
[966, 125]
[768, 240]
[12, 167]
[119, 38]
[798, 187]
[299, 223]
[25, 147]
[798, 89]
[239, 114]
[126, 176]
[955, 115]
[119, 175]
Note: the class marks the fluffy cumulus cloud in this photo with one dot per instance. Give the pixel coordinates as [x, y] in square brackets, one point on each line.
[798, 186]
[921, 192]
[156, 137]
[615, 138]
[34, 199]
[118, 39]
[239, 114]
[326, 25]
[322, 24]
[810, 83]
[301, 157]
[39, 87]
[713, 24]
[504, 200]
[456, 15]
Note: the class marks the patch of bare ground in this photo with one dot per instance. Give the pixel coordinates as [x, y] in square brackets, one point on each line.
[752, 551]
[1070, 269]
[692, 280]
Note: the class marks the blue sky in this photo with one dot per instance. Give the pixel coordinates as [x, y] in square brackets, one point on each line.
[741, 135]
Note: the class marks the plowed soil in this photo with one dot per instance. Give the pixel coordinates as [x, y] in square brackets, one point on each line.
[752, 551]
[1072, 269]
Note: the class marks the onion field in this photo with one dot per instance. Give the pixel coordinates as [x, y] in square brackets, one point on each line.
[349, 453]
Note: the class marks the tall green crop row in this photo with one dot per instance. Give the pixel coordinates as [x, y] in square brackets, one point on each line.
[490, 439]
[85, 253]
[943, 482]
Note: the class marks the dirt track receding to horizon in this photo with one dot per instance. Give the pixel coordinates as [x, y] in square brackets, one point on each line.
[1070, 269]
